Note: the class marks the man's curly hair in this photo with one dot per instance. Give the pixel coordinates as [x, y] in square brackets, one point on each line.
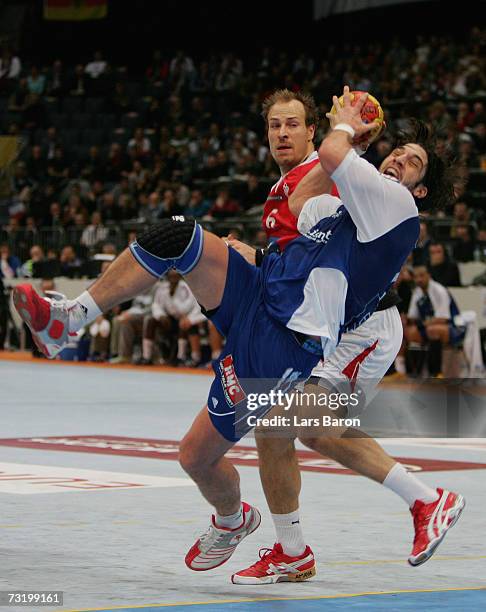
[441, 173]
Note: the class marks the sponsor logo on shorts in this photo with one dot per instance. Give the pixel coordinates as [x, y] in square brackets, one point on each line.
[231, 386]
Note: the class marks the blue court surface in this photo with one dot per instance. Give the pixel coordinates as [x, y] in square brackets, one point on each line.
[463, 599]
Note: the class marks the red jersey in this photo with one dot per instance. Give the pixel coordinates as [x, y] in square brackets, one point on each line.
[278, 222]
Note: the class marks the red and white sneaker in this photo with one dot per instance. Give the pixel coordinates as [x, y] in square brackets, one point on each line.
[274, 566]
[47, 318]
[217, 545]
[432, 522]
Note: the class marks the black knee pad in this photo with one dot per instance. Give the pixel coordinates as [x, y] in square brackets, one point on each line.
[173, 243]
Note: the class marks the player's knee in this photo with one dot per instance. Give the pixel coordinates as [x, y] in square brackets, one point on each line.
[189, 459]
[173, 243]
[271, 446]
[313, 443]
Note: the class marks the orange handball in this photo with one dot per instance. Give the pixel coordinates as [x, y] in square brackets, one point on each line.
[371, 112]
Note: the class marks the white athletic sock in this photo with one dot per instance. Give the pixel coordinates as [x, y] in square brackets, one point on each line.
[230, 521]
[400, 364]
[289, 533]
[147, 348]
[82, 311]
[408, 486]
[195, 356]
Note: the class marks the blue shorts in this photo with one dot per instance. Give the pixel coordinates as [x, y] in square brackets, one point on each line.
[258, 354]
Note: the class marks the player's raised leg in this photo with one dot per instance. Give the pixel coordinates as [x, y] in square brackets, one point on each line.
[177, 243]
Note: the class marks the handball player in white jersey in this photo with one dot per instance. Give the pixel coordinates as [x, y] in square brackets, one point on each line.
[360, 361]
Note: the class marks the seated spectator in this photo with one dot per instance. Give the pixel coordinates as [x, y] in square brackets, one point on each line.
[28, 268]
[37, 164]
[70, 262]
[127, 328]
[95, 232]
[99, 346]
[78, 84]
[36, 82]
[9, 264]
[10, 69]
[465, 245]
[120, 103]
[50, 142]
[431, 318]
[97, 66]
[442, 269]
[139, 146]
[176, 314]
[224, 206]
[58, 166]
[56, 80]
[197, 206]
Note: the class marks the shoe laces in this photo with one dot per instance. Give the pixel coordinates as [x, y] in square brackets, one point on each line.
[57, 299]
[266, 557]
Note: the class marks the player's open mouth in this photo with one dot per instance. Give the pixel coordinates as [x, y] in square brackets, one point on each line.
[393, 172]
[284, 148]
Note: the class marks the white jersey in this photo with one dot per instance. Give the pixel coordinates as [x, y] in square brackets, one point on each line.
[330, 280]
[181, 304]
[440, 300]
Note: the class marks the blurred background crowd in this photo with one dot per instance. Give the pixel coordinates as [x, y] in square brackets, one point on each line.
[93, 150]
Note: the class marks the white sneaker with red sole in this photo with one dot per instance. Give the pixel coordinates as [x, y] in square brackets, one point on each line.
[217, 545]
[432, 522]
[275, 566]
[47, 318]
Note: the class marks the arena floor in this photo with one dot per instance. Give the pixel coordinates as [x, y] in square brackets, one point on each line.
[94, 504]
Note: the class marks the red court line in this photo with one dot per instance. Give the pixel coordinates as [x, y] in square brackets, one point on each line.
[150, 448]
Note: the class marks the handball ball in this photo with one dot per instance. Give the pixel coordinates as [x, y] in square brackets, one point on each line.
[371, 112]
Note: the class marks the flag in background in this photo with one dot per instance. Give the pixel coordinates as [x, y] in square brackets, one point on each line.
[75, 10]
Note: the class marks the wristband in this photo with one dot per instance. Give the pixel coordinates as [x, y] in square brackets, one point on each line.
[259, 255]
[345, 128]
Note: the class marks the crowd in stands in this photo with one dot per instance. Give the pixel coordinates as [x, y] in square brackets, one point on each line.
[103, 151]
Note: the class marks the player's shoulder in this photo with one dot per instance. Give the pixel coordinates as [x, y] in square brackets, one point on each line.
[294, 175]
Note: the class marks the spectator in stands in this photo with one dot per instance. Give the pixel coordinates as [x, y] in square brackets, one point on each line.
[465, 245]
[78, 85]
[58, 166]
[95, 232]
[108, 208]
[120, 103]
[198, 206]
[37, 164]
[9, 263]
[431, 318]
[50, 142]
[56, 80]
[224, 206]
[127, 328]
[97, 66]
[139, 145]
[442, 269]
[36, 82]
[28, 268]
[71, 264]
[176, 314]
[169, 204]
[10, 69]
[461, 213]
[99, 332]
